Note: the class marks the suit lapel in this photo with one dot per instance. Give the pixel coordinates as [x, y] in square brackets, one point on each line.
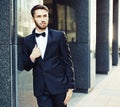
[34, 41]
[33, 37]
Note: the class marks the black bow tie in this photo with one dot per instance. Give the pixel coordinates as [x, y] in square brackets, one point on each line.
[40, 34]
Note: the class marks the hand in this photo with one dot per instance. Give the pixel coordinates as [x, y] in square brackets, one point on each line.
[35, 53]
[68, 96]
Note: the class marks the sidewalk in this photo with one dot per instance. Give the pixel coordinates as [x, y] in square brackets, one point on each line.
[106, 93]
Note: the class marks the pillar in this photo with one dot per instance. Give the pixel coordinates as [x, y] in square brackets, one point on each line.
[115, 54]
[102, 38]
[82, 49]
[6, 80]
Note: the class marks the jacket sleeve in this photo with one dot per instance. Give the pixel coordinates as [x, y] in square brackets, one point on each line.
[65, 50]
[28, 64]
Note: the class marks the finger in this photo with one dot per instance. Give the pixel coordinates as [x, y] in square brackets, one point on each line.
[66, 100]
[36, 46]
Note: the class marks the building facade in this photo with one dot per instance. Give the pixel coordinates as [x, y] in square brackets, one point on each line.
[92, 28]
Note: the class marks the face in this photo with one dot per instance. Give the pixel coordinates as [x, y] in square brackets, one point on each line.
[41, 19]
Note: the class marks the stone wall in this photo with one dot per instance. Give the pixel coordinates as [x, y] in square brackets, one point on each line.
[5, 53]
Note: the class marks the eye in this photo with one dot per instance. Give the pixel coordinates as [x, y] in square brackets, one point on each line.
[45, 15]
[39, 16]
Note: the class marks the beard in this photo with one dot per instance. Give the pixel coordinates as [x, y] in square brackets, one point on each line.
[41, 27]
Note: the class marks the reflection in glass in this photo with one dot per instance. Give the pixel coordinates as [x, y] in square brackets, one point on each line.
[24, 21]
[66, 21]
[24, 27]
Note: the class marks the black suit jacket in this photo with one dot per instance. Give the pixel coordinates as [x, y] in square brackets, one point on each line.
[56, 69]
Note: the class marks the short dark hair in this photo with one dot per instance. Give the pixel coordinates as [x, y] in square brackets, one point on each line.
[39, 6]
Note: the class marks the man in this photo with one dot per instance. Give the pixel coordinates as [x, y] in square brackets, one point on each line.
[47, 52]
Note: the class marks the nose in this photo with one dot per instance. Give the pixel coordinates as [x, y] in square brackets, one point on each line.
[42, 19]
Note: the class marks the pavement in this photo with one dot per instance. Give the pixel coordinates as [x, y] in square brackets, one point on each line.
[106, 92]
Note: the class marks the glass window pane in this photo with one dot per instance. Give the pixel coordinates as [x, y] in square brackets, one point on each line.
[25, 26]
[66, 21]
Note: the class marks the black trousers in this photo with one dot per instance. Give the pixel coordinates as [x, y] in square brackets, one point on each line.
[48, 100]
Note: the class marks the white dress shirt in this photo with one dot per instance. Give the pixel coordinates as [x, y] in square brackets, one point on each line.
[42, 42]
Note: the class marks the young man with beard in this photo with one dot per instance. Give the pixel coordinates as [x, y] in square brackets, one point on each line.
[47, 52]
